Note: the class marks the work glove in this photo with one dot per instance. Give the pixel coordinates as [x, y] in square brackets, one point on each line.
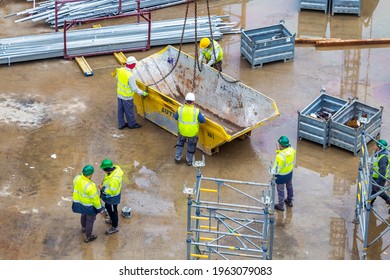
[113, 74]
[144, 94]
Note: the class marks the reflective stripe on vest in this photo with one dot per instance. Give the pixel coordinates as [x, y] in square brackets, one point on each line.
[375, 167]
[81, 185]
[122, 85]
[208, 52]
[285, 160]
[188, 124]
[113, 183]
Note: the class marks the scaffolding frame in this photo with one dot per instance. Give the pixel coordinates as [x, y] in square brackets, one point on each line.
[224, 229]
[364, 197]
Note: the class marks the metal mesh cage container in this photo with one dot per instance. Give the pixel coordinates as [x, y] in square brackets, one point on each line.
[321, 5]
[314, 120]
[347, 127]
[347, 7]
[267, 44]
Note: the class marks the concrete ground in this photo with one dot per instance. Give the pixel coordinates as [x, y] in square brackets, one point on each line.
[69, 120]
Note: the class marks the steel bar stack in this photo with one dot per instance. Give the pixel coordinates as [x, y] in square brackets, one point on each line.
[89, 9]
[108, 39]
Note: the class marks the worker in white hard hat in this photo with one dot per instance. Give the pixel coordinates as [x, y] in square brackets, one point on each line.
[188, 118]
[126, 87]
[207, 50]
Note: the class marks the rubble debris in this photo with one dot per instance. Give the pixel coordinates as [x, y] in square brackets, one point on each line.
[322, 114]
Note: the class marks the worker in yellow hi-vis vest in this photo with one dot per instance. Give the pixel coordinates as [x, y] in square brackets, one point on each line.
[110, 192]
[86, 201]
[381, 169]
[126, 87]
[188, 118]
[212, 52]
[283, 168]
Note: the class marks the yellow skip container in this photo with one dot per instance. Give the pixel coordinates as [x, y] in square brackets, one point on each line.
[232, 110]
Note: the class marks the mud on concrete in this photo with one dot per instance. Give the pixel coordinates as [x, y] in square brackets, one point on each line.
[53, 121]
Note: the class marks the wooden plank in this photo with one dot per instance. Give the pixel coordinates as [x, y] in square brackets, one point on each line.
[120, 57]
[84, 66]
[353, 42]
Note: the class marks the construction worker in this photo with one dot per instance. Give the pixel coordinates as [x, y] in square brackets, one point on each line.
[207, 50]
[188, 118]
[381, 166]
[86, 201]
[126, 87]
[283, 168]
[110, 192]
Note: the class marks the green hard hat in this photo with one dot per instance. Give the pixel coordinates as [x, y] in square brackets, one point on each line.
[106, 163]
[381, 144]
[88, 170]
[283, 141]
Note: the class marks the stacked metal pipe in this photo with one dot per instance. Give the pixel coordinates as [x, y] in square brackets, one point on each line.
[89, 9]
[108, 39]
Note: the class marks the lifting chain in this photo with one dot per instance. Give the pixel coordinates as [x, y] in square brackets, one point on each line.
[197, 65]
[178, 55]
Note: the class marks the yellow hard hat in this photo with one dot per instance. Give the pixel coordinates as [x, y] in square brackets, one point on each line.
[204, 43]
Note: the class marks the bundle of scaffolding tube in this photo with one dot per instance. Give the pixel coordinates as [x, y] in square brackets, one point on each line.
[108, 39]
[88, 9]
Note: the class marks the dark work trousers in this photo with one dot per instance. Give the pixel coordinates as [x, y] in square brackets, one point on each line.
[113, 213]
[191, 147]
[290, 192]
[376, 189]
[87, 222]
[218, 66]
[126, 108]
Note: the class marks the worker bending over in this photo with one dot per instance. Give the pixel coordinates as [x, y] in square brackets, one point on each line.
[188, 118]
[207, 50]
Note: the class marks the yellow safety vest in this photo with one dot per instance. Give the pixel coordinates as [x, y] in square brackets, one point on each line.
[284, 161]
[113, 182]
[86, 193]
[188, 124]
[122, 85]
[376, 166]
[208, 52]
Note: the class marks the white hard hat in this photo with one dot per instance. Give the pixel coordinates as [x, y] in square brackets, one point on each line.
[190, 96]
[131, 60]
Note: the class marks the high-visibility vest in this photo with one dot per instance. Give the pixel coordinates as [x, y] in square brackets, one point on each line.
[86, 198]
[122, 85]
[188, 124]
[375, 166]
[208, 52]
[112, 186]
[284, 161]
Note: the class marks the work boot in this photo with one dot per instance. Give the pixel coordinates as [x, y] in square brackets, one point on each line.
[108, 221]
[189, 163]
[280, 208]
[90, 238]
[112, 230]
[122, 127]
[137, 125]
[288, 203]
